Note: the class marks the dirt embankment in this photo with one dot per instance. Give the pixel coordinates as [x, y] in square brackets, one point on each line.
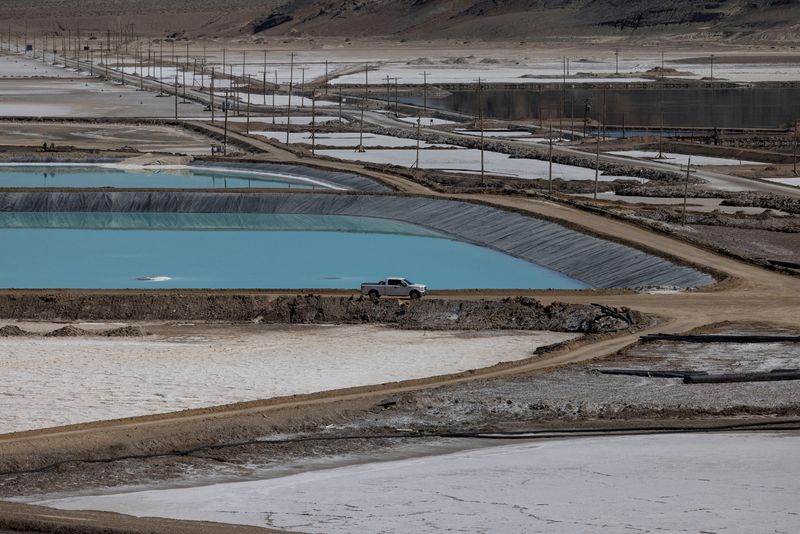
[520, 313]
[730, 198]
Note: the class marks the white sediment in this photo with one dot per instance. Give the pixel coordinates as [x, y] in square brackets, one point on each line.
[469, 161]
[665, 483]
[58, 381]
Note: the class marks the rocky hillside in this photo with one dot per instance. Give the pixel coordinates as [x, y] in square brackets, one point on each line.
[732, 20]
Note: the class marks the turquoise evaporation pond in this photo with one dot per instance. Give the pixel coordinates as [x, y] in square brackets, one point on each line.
[194, 178]
[202, 250]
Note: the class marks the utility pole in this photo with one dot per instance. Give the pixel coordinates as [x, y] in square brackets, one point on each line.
[211, 105]
[686, 189]
[225, 126]
[236, 89]
[419, 134]
[480, 121]
[161, 65]
[313, 123]
[176, 95]
[363, 107]
[396, 97]
[184, 78]
[388, 93]
[425, 92]
[274, 91]
[264, 78]
[203, 69]
[661, 129]
[563, 97]
[341, 99]
[794, 165]
[550, 157]
[326, 77]
[616, 59]
[303, 86]
[247, 123]
[141, 67]
[289, 107]
[597, 166]
[713, 122]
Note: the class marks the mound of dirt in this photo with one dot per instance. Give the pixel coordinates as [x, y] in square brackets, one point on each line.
[68, 331]
[13, 331]
[433, 314]
[124, 331]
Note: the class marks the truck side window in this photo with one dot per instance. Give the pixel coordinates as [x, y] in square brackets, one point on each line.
[394, 282]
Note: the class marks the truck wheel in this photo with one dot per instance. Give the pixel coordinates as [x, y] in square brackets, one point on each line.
[374, 295]
[414, 295]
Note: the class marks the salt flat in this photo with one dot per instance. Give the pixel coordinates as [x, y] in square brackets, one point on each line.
[90, 97]
[345, 139]
[469, 161]
[58, 381]
[24, 66]
[693, 203]
[795, 181]
[297, 101]
[671, 158]
[667, 483]
[412, 74]
[283, 119]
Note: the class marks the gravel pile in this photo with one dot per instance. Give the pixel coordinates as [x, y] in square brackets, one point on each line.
[68, 331]
[433, 314]
[13, 331]
[124, 331]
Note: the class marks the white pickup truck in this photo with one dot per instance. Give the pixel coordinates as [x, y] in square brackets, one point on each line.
[394, 287]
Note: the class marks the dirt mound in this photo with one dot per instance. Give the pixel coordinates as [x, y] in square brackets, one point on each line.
[431, 314]
[425, 314]
[124, 331]
[13, 331]
[68, 331]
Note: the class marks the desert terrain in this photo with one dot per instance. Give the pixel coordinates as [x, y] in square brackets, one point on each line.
[602, 199]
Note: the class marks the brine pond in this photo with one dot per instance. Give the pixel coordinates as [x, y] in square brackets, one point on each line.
[737, 107]
[34, 176]
[223, 250]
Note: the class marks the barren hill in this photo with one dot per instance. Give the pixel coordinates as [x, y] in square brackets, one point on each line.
[730, 20]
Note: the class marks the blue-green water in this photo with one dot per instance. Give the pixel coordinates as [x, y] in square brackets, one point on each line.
[96, 177]
[112, 250]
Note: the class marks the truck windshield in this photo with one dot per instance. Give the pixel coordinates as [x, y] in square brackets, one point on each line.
[407, 281]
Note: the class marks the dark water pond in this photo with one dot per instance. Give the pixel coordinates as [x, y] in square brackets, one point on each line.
[753, 107]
